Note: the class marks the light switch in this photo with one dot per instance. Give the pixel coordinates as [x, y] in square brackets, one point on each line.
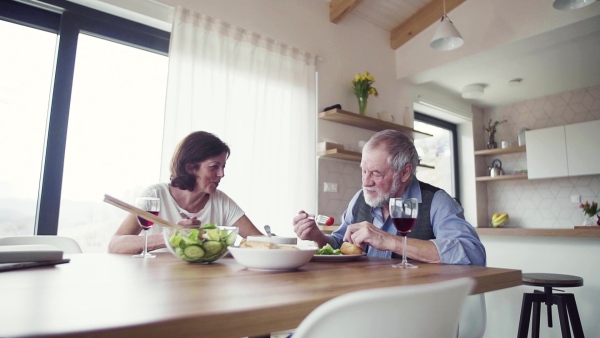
[575, 199]
[330, 187]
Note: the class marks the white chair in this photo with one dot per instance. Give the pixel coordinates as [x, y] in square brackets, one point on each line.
[429, 310]
[473, 318]
[66, 244]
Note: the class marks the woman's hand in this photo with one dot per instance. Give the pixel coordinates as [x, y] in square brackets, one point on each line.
[189, 222]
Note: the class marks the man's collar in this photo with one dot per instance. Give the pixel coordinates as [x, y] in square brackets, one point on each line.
[413, 189]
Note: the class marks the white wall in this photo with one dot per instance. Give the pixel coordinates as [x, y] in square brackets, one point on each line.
[572, 256]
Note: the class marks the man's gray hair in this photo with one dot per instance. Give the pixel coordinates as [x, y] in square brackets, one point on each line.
[399, 146]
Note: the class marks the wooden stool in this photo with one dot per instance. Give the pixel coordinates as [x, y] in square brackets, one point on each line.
[567, 308]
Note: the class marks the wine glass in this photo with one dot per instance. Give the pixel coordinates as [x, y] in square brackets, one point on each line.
[151, 205]
[404, 215]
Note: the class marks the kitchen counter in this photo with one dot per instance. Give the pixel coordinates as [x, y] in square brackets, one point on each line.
[589, 232]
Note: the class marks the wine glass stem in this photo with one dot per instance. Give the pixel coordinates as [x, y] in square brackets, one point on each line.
[145, 242]
[404, 261]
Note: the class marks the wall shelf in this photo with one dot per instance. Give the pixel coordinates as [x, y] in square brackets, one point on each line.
[501, 178]
[591, 232]
[499, 151]
[340, 154]
[366, 122]
[351, 156]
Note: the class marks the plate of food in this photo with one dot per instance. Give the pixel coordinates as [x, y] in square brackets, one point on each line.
[347, 252]
[259, 255]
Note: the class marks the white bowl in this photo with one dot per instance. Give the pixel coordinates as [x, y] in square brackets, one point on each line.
[272, 259]
[274, 239]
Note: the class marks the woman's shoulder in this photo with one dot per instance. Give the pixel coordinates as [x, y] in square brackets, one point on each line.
[218, 194]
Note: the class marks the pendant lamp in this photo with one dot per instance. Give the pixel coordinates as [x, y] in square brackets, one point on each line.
[446, 36]
[565, 5]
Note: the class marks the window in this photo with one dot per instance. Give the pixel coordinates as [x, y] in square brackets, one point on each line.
[438, 152]
[79, 122]
[26, 64]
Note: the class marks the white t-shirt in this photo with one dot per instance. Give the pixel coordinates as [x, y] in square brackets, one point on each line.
[219, 209]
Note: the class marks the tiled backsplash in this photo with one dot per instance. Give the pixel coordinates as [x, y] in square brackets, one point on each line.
[542, 203]
[346, 174]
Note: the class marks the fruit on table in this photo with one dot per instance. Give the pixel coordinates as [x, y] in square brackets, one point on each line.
[499, 218]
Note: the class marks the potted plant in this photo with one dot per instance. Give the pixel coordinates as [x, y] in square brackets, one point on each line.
[362, 84]
[491, 129]
[590, 213]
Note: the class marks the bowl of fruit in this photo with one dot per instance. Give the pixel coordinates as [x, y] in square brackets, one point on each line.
[200, 245]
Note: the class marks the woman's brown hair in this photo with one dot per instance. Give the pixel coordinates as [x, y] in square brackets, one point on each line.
[195, 148]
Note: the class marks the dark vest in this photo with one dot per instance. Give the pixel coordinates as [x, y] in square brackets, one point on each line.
[422, 229]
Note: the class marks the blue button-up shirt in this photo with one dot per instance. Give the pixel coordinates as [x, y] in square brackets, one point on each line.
[455, 239]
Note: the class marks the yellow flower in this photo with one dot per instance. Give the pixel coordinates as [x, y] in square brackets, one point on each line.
[362, 85]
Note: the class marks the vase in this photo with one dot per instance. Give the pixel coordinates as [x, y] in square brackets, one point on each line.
[362, 104]
[491, 142]
[590, 220]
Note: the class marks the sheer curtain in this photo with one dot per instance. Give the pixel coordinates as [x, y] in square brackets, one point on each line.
[256, 94]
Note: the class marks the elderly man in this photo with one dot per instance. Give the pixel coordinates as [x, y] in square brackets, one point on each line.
[441, 233]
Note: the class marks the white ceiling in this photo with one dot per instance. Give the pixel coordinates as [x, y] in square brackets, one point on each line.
[551, 51]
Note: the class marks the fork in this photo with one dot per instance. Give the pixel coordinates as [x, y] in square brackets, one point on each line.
[322, 219]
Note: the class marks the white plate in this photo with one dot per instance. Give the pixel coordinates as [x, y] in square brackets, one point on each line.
[272, 259]
[336, 258]
[274, 239]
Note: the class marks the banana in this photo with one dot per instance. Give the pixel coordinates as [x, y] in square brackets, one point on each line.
[499, 219]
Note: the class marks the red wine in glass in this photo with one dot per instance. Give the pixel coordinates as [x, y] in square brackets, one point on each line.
[151, 205]
[146, 224]
[403, 212]
[404, 225]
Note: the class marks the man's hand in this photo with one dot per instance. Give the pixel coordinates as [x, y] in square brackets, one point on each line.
[307, 229]
[364, 233]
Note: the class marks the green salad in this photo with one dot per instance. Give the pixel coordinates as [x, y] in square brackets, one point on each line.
[328, 250]
[206, 244]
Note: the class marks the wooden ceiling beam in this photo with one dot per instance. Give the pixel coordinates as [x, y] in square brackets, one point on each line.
[423, 18]
[338, 9]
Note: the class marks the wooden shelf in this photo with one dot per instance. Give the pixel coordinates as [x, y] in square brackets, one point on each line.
[590, 232]
[499, 151]
[351, 156]
[501, 178]
[366, 122]
[341, 154]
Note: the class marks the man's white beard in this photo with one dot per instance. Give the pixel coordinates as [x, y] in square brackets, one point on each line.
[378, 201]
[382, 198]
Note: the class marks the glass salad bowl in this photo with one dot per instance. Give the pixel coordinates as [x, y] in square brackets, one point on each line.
[200, 245]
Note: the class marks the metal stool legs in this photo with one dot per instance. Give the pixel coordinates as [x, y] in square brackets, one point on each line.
[567, 311]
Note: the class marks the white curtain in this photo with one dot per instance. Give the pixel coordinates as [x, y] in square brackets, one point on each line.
[258, 95]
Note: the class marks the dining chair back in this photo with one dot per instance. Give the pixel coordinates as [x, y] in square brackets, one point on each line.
[429, 310]
[473, 318]
[66, 244]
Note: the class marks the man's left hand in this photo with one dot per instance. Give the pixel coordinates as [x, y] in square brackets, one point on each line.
[365, 233]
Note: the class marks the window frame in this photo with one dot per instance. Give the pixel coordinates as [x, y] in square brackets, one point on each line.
[67, 20]
[452, 128]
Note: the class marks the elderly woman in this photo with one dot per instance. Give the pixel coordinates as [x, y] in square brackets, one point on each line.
[192, 197]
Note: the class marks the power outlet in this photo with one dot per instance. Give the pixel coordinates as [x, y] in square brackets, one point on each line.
[330, 187]
[575, 199]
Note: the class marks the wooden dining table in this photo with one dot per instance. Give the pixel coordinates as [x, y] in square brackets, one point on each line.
[110, 295]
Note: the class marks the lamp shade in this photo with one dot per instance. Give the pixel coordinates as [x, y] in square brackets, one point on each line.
[472, 91]
[446, 36]
[564, 5]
